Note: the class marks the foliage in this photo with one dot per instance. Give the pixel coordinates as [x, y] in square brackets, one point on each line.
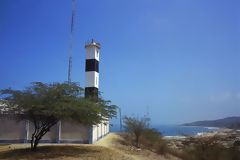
[207, 148]
[152, 140]
[142, 135]
[151, 134]
[45, 104]
[136, 126]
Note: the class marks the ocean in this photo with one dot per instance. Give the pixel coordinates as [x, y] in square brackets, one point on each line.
[174, 130]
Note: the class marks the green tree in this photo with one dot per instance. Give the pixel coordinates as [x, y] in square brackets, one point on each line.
[45, 104]
[136, 126]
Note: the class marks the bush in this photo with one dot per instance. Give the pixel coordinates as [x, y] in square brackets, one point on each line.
[161, 147]
[136, 127]
[151, 134]
[150, 137]
[140, 135]
[207, 148]
[126, 140]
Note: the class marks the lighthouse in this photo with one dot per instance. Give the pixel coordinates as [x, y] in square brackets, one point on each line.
[92, 69]
[92, 85]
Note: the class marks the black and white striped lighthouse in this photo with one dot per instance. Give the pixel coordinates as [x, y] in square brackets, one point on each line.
[92, 69]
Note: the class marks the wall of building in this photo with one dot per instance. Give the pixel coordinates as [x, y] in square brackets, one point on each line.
[74, 132]
[94, 133]
[13, 131]
[99, 131]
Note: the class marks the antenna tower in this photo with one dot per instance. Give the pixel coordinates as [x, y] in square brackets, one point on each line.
[71, 40]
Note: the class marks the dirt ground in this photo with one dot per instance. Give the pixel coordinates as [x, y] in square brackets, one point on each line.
[112, 141]
[108, 148]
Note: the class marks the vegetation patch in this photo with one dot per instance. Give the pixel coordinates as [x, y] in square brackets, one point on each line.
[139, 134]
[191, 148]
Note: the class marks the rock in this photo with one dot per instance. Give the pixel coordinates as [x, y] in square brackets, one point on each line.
[236, 143]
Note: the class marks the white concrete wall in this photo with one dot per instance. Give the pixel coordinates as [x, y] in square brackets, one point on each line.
[99, 131]
[12, 130]
[103, 129]
[94, 134]
[108, 127]
[72, 131]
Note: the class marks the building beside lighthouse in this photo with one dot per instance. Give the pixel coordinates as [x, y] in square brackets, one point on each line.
[13, 131]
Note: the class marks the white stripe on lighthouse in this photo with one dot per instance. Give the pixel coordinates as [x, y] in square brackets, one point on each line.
[92, 53]
[92, 79]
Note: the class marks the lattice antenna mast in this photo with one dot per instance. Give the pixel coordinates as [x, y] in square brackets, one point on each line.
[71, 40]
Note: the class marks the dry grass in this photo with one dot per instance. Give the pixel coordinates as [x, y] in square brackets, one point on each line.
[64, 152]
[201, 148]
[123, 143]
[206, 148]
[111, 147]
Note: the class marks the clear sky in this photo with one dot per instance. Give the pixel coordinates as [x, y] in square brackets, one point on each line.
[179, 60]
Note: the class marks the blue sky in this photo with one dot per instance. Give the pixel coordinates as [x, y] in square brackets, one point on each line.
[177, 60]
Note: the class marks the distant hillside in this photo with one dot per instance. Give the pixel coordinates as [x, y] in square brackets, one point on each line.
[229, 122]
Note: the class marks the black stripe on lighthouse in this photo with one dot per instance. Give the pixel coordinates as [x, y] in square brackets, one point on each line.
[91, 92]
[92, 65]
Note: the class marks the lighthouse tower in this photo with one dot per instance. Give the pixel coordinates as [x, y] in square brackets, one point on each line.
[91, 87]
[92, 69]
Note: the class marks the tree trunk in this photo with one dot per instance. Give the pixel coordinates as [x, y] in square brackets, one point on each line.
[35, 144]
[39, 132]
[32, 143]
[137, 140]
[33, 136]
[36, 137]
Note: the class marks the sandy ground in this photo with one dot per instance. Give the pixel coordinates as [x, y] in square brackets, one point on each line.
[132, 153]
[108, 148]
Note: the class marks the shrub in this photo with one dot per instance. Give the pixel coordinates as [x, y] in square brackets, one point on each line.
[136, 127]
[141, 135]
[207, 148]
[161, 147]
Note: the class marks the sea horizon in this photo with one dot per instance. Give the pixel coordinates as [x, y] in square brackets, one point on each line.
[174, 129]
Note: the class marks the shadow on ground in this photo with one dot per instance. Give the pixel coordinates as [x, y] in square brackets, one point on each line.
[52, 152]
